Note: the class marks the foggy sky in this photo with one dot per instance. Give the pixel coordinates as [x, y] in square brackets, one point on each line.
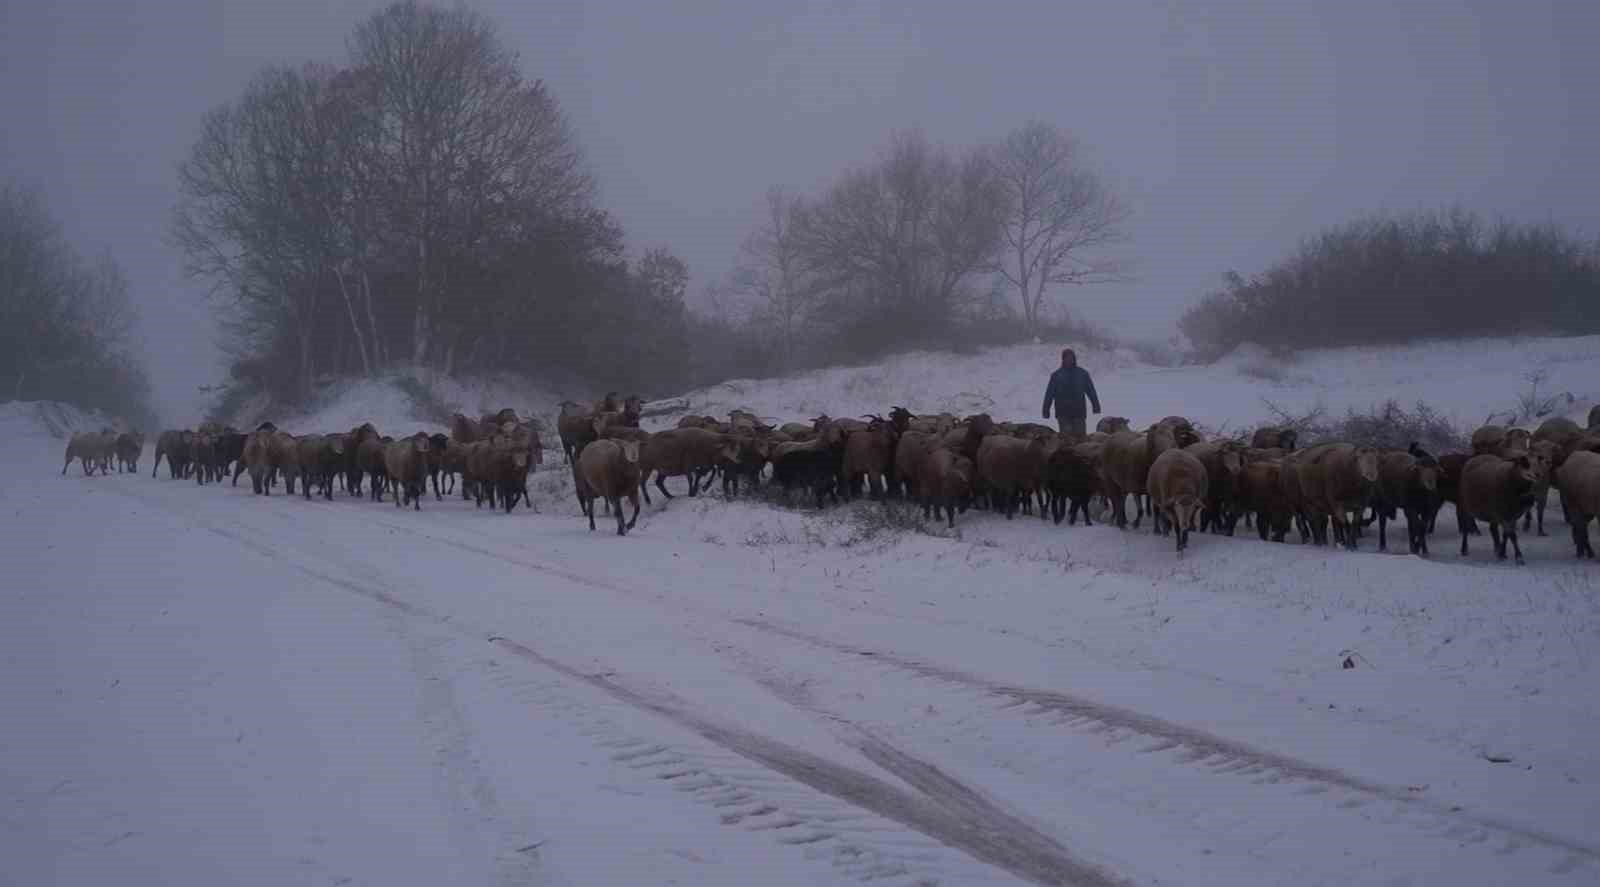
[1232, 128]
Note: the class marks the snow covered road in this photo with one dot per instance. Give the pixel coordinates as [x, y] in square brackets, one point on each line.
[209, 686]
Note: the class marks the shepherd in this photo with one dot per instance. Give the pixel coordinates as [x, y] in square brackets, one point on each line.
[1068, 387]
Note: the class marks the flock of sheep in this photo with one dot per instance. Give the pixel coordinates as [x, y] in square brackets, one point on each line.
[944, 463]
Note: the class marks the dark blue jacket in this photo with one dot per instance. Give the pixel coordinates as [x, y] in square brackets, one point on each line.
[1067, 389]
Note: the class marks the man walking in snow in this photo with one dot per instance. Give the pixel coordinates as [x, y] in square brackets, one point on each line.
[1066, 391]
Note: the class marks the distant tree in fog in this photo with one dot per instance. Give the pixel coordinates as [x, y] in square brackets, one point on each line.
[66, 322]
[1059, 218]
[895, 247]
[772, 274]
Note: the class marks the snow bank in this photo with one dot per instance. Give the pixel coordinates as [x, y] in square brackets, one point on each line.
[1465, 380]
[21, 419]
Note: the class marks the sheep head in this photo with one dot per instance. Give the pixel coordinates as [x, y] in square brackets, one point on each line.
[630, 450]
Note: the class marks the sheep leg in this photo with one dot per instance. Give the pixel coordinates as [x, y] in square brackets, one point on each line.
[1498, 540]
[615, 502]
[588, 509]
[1539, 506]
[661, 484]
[66, 466]
[1510, 535]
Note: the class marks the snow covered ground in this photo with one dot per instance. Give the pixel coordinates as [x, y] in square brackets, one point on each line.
[213, 687]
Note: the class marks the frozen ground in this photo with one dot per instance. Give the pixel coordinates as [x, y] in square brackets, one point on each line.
[213, 687]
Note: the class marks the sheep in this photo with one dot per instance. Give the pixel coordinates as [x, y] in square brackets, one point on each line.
[1337, 481]
[1224, 460]
[465, 430]
[611, 403]
[203, 455]
[85, 447]
[283, 457]
[1178, 492]
[575, 426]
[1551, 456]
[1579, 483]
[609, 469]
[1111, 425]
[371, 463]
[1172, 431]
[321, 457]
[797, 431]
[354, 468]
[1270, 437]
[1124, 469]
[499, 471]
[932, 425]
[130, 446]
[814, 464]
[683, 452]
[257, 460]
[1500, 441]
[1010, 468]
[1408, 482]
[1260, 492]
[174, 444]
[909, 452]
[1497, 490]
[746, 466]
[869, 454]
[1072, 475]
[406, 463]
[946, 481]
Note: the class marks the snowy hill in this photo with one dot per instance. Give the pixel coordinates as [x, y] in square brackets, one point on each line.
[1465, 380]
[48, 419]
[348, 692]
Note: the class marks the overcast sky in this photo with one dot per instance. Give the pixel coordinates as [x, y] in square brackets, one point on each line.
[1232, 128]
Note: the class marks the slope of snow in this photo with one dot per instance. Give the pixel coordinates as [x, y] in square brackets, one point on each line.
[1464, 380]
[244, 689]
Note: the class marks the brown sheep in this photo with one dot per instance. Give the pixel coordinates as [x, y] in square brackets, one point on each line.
[174, 444]
[371, 464]
[798, 431]
[1579, 482]
[1408, 483]
[283, 459]
[258, 461]
[700, 422]
[1111, 425]
[1260, 493]
[946, 482]
[1177, 485]
[1450, 467]
[1010, 470]
[465, 430]
[1124, 468]
[1173, 431]
[609, 470]
[1550, 455]
[1224, 462]
[406, 463]
[1294, 495]
[499, 470]
[1500, 441]
[322, 458]
[933, 425]
[1499, 491]
[611, 403]
[575, 426]
[752, 457]
[683, 452]
[1271, 438]
[354, 469]
[84, 446]
[130, 446]
[869, 454]
[1338, 481]
[203, 455]
[912, 448]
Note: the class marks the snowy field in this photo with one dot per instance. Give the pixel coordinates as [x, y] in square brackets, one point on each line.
[209, 687]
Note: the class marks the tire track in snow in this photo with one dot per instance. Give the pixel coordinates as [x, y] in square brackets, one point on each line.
[982, 832]
[1191, 745]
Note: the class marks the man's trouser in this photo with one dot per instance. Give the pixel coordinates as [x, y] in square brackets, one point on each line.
[1073, 425]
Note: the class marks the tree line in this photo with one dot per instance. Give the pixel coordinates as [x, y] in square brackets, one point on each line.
[66, 319]
[424, 204]
[1392, 279]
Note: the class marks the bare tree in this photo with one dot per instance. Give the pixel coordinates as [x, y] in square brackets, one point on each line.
[897, 244]
[771, 271]
[470, 147]
[1059, 216]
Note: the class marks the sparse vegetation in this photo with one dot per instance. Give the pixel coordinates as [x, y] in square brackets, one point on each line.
[1385, 426]
[1383, 280]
